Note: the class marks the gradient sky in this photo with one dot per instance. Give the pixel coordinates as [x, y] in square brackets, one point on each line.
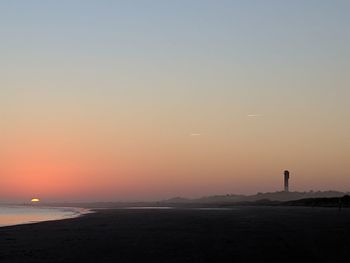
[121, 100]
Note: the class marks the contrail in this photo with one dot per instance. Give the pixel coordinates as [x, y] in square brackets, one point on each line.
[254, 115]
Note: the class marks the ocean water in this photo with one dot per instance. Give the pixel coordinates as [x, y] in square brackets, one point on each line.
[16, 215]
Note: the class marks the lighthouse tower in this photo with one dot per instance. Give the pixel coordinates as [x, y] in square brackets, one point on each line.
[286, 179]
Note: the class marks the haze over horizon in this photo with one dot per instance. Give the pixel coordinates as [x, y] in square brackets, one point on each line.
[111, 100]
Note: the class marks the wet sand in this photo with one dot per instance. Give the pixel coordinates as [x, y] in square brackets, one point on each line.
[244, 234]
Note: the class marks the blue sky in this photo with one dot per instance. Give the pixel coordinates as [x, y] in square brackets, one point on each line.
[143, 75]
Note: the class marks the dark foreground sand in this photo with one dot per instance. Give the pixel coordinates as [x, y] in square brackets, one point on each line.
[245, 234]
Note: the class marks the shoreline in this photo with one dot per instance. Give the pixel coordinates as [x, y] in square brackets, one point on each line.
[79, 212]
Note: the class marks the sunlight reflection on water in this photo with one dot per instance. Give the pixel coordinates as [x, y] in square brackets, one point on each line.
[15, 215]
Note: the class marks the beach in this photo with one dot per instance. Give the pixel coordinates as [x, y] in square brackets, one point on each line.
[254, 234]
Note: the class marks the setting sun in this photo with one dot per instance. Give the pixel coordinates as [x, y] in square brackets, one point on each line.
[35, 200]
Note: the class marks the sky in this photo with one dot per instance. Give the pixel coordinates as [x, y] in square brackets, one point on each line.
[141, 100]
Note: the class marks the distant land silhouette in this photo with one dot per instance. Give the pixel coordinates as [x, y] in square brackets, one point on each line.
[311, 198]
[272, 196]
[339, 202]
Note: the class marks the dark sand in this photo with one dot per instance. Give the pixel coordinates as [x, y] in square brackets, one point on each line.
[245, 234]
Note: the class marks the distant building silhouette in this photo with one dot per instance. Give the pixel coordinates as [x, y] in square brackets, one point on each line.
[286, 179]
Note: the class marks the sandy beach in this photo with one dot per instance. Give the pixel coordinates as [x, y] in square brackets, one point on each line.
[261, 234]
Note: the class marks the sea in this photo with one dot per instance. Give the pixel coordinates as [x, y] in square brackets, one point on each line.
[18, 215]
